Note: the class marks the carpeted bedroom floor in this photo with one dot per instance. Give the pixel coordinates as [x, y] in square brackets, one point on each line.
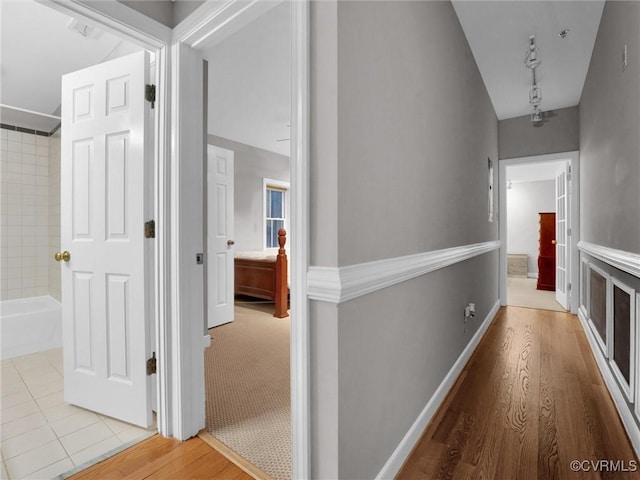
[521, 292]
[248, 390]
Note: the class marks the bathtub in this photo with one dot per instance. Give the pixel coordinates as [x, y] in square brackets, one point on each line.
[29, 325]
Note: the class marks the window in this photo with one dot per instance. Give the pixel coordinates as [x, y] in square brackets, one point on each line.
[275, 210]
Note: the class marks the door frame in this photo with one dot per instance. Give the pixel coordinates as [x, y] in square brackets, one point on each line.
[216, 20]
[153, 36]
[574, 199]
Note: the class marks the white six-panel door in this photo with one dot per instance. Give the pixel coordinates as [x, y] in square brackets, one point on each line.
[104, 121]
[562, 237]
[220, 269]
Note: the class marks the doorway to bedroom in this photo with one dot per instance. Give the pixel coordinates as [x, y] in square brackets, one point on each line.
[247, 367]
[540, 231]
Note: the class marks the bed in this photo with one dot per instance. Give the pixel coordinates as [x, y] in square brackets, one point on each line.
[264, 275]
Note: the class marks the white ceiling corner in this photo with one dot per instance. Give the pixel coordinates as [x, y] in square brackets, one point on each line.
[498, 35]
[37, 49]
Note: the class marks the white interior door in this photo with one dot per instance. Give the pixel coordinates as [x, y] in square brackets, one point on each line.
[562, 237]
[220, 269]
[106, 329]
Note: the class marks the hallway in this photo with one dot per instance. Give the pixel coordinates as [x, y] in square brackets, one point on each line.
[530, 401]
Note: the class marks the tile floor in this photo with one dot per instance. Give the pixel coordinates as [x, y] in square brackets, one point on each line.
[41, 435]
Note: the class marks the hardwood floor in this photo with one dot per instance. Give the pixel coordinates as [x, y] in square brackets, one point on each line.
[161, 458]
[529, 402]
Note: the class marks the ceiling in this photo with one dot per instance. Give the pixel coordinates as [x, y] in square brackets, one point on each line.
[249, 82]
[37, 49]
[498, 34]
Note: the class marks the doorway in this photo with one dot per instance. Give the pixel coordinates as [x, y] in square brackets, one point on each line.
[539, 231]
[60, 436]
[247, 366]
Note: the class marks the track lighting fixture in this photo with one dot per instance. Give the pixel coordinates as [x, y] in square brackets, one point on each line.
[532, 61]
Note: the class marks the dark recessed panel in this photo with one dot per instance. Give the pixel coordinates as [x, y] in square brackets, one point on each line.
[622, 331]
[598, 304]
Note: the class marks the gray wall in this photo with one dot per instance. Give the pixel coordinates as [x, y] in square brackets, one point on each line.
[251, 165]
[519, 138]
[525, 201]
[609, 133]
[415, 129]
[403, 171]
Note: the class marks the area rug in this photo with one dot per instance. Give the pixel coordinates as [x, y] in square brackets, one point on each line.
[248, 391]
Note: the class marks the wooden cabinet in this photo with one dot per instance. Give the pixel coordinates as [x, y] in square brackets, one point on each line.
[547, 252]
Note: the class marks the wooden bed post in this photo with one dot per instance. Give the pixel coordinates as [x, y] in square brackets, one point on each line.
[282, 285]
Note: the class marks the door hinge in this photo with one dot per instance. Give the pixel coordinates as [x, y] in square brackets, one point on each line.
[150, 94]
[569, 232]
[152, 365]
[569, 288]
[150, 229]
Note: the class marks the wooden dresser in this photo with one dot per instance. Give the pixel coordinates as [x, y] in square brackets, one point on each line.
[547, 252]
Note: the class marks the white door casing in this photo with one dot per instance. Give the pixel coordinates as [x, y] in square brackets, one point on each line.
[105, 323]
[208, 23]
[220, 208]
[562, 236]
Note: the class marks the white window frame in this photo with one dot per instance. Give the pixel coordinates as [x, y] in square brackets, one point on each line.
[278, 184]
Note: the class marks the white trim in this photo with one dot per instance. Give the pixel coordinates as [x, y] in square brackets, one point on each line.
[627, 387]
[125, 22]
[636, 406]
[215, 20]
[340, 284]
[622, 260]
[396, 460]
[532, 274]
[299, 253]
[574, 218]
[32, 112]
[619, 401]
[603, 343]
[584, 283]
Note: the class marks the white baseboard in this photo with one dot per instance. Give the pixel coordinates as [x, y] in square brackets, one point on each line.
[532, 274]
[630, 425]
[402, 451]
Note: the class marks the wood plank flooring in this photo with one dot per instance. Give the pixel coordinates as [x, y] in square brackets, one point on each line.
[160, 458]
[530, 400]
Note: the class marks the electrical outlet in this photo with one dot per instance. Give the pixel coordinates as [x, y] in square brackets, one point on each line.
[624, 58]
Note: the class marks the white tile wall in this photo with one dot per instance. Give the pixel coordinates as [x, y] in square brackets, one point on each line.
[54, 214]
[24, 215]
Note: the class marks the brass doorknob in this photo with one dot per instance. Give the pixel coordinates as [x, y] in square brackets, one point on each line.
[230, 242]
[59, 256]
[553, 242]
